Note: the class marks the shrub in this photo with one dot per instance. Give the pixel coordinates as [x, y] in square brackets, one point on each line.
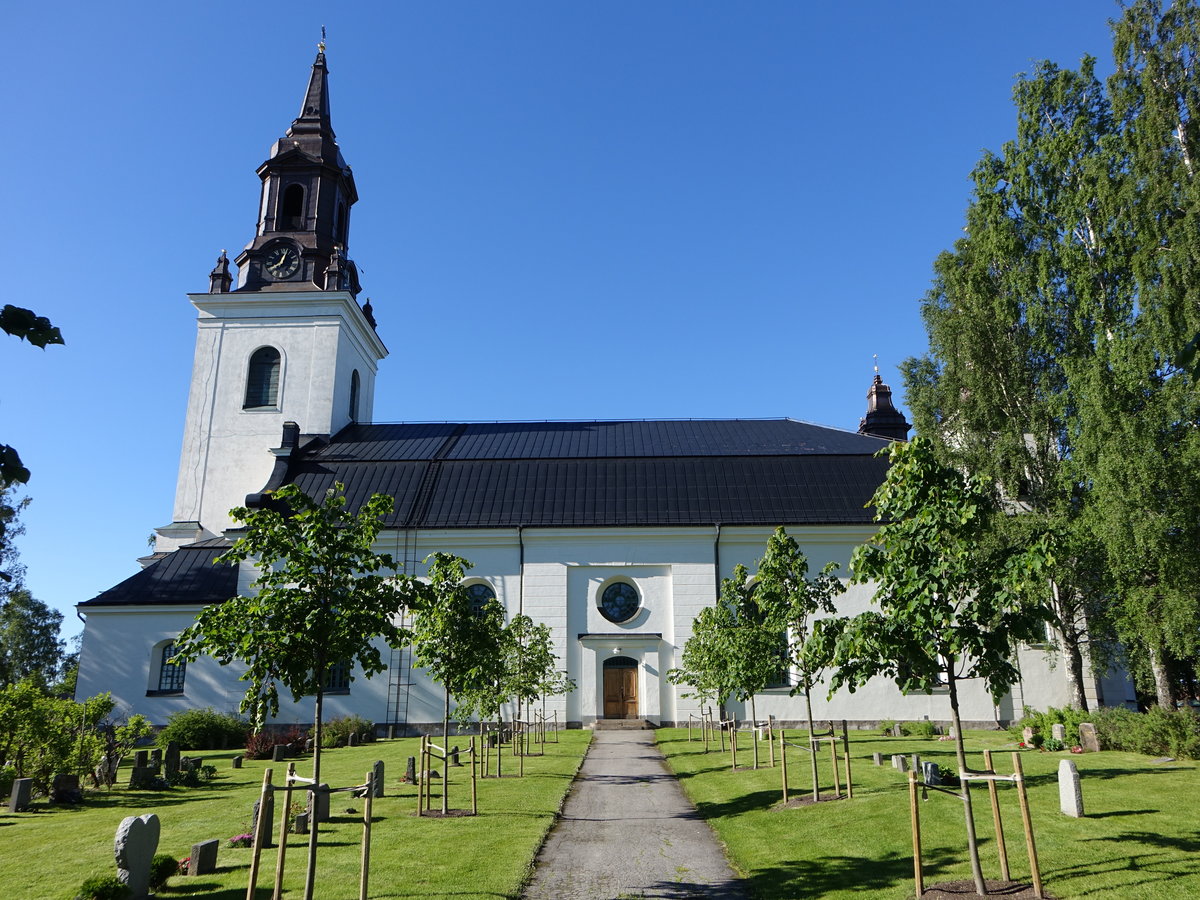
[242, 840]
[1042, 722]
[203, 729]
[1053, 745]
[8, 774]
[336, 732]
[103, 887]
[1159, 732]
[260, 744]
[922, 729]
[162, 867]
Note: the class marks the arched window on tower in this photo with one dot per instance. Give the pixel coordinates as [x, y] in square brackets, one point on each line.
[354, 396]
[262, 380]
[293, 207]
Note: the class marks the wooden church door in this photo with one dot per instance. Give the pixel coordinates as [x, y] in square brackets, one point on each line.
[620, 688]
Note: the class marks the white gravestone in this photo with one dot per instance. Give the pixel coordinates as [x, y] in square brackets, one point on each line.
[1070, 795]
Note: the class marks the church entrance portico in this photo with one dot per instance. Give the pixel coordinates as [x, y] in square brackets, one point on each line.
[621, 677]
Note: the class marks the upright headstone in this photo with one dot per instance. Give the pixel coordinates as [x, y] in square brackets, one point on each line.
[391, 732]
[916, 763]
[308, 745]
[352, 740]
[900, 762]
[453, 760]
[377, 779]
[950, 731]
[301, 826]
[134, 847]
[156, 757]
[1058, 731]
[264, 822]
[22, 794]
[65, 789]
[1070, 795]
[203, 860]
[1087, 738]
[897, 731]
[171, 758]
[932, 773]
[1027, 736]
[141, 758]
[318, 804]
[236, 762]
[410, 770]
[143, 778]
[279, 753]
[878, 758]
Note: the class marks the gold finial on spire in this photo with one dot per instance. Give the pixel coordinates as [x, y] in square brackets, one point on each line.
[321, 45]
[875, 356]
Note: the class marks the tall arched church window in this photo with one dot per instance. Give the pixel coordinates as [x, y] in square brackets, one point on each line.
[337, 678]
[170, 675]
[293, 207]
[262, 379]
[480, 594]
[354, 396]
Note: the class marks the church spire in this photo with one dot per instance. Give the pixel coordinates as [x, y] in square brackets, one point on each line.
[882, 418]
[314, 112]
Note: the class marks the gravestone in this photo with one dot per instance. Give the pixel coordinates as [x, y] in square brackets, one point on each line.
[453, 759]
[932, 773]
[950, 731]
[134, 846]
[1087, 738]
[377, 779]
[236, 762]
[143, 778]
[352, 740]
[410, 770]
[263, 824]
[1058, 731]
[1070, 794]
[368, 737]
[156, 757]
[308, 745]
[916, 763]
[897, 731]
[65, 789]
[203, 860]
[878, 758]
[1027, 736]
[900, 762]
[318, 804]
[279, 753]
[141, 758]
[391, 732]
[22, 794]
[171, 758]
[301, 826]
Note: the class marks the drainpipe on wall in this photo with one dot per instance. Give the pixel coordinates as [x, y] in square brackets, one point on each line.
[717, 559]
[521, 571]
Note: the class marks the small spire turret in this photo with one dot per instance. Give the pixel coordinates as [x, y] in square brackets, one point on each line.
[882, 418]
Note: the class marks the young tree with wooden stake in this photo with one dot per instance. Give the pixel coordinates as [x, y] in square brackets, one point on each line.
[322, 597]
[784, 593]
[459, 645]
[951, 606]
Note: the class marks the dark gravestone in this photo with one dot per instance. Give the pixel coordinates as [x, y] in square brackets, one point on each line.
[203, 860]
[236, 762]
[352, 740]
[301, 826]
[308, 746]
[263, 824]
[141, 758]
[1087, 738]
[391, 732]
[279, 753]
[377, 779]
[156, 757]
[134, 846]
[171, 758]
[453, 760]
[368, 737]
[65, 789]
[932, 773]
[410, 770]
[22, 794]
[318, 804]
[143, 778]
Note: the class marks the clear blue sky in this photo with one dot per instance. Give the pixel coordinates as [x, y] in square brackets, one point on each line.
[568, 210]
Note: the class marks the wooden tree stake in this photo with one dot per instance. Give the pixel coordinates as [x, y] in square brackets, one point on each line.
[261, 824]
[918, 877]
[994, 795]
[1028, 823]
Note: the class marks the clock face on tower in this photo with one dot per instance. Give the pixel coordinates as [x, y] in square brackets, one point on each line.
[282, 261]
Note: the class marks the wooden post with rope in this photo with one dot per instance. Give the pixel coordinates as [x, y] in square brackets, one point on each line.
[1027, 821]
[993, 795]
[262, 825]
[918, 876]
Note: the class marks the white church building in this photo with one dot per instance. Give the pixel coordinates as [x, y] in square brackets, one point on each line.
[613, 533]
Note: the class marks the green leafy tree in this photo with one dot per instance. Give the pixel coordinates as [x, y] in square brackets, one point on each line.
[323, 596]
[948, 607]
[530, 666]
[44, 736]
[461, 647]
[785, 594]
[26, 325]
[29, 645]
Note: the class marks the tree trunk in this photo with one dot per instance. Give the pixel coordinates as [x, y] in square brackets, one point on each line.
[446, 755]
[961, 755]
[1162, 679]
[811, 746]
[311, 873]
[754, 729]
[1072, 651]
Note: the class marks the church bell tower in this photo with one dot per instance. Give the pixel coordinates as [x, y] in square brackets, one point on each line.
[290, 343]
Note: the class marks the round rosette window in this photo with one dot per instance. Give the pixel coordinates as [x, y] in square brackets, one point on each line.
[619, 602]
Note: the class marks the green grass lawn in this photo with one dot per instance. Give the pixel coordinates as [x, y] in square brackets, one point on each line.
[45, 853]
[1139, 839]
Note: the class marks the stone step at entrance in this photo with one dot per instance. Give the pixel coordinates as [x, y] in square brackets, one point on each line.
[621, 724]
